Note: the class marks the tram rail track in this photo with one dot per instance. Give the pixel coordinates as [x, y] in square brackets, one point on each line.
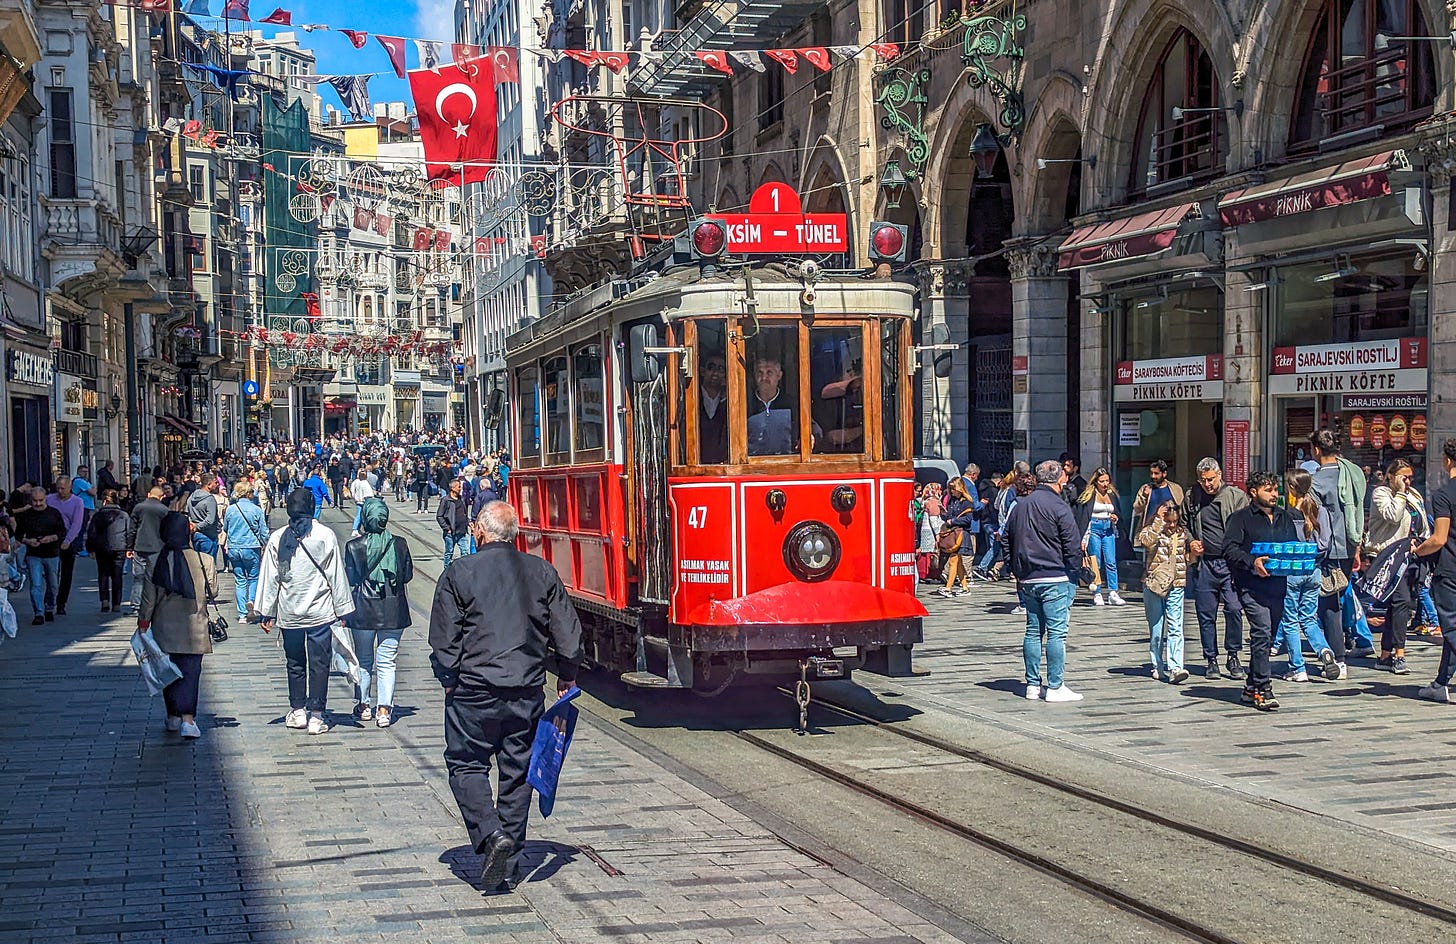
[1388, 894]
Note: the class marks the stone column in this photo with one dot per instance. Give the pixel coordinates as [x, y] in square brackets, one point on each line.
[1438, 146]
[935, 418]
[1244, 370]
[1039, 352]
[1095, 400]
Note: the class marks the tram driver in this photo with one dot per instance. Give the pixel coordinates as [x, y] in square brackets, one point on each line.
[773, 422]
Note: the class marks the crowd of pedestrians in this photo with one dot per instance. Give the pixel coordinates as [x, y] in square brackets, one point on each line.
[1377, 547]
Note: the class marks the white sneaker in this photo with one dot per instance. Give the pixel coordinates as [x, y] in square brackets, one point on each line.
[316, 723]
[1344, 673]
[1097, 598]
[297, 718]
[1300, 676]
[190, 730]
[174, 723]
[1116, 600]
[1062, 693]
[1018, 610]
[1434, 692]
[1033, 692]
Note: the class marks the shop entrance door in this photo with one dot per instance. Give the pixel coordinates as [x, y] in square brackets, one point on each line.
[1180, 433]
[30, 441]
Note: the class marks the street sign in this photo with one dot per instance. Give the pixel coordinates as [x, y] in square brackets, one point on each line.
[777, 224]
[250, 388]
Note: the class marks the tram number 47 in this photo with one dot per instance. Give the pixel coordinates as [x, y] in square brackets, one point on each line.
[698, 516]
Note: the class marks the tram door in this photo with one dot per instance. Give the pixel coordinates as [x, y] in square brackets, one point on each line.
[648, 461]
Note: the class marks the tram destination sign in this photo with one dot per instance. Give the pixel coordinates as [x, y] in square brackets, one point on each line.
[777, 224]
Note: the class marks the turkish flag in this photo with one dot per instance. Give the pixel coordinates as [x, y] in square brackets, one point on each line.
[788, 58]
[394, 47]
[816, 56]
[886, 51]
[363, 219]
[456, 110]
[357, 37]
[616, 61]
[310, 304]
[587, 57]
[715, 58]
[279, 17]
[422, 239]
[505, 63]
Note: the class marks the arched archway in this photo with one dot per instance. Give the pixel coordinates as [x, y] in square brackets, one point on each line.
[824, 192]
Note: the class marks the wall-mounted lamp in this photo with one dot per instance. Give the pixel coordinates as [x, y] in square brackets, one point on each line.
[1382, 41]
[1343, 270]
[1237, 108]
[892, 185]
[985, 148]
[1090, 161]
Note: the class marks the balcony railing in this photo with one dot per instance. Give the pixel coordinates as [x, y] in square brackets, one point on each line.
[1366, 91]
[76, 362]
[1186, 149]
[78, 222]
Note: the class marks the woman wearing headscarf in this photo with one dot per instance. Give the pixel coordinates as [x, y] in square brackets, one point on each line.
[379, 568]
[174, 607]
[303, 590]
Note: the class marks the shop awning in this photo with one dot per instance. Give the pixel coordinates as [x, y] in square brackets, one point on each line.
[1350, 182]
[177, 423]
[1127, 238]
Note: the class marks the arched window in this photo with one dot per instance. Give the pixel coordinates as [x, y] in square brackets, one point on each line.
[1355, 76]
[1193, 145]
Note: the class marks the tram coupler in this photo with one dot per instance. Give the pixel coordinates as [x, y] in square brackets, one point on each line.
[802, 696]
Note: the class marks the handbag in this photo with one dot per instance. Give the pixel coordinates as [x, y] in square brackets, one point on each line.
[949, 540]
[217, 624]
[1333, 583]
[1089, 574]
[1160, 581]
[344, 659]
[158, 669]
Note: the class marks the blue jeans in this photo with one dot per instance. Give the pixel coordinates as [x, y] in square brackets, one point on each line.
[45, 580]
[993, 551]
[1048, 610]
[1428, 615]
[1165, 629]
[454, 542]
[1354, 616]
[203, 544]
[246, 562]
[1102, 545]
[1301, 615]
[376, 662]
[358, 513]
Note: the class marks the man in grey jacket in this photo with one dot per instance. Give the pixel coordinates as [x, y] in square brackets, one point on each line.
[144, 540]
[1207, 509]
[202, 511]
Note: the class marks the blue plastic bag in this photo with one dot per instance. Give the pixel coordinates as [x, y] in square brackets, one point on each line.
[548, 752]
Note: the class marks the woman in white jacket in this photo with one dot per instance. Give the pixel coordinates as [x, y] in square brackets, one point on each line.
[302, 587]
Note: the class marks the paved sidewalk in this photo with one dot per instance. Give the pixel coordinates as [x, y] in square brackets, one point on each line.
[1365, 750]
[112, 830]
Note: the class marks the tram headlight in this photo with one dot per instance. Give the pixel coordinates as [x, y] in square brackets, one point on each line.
[811, 550]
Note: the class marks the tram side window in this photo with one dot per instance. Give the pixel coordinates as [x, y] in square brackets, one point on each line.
[773, 391]
[836, 386]
[527, 387]
[558, 415]
[711, 372]
[892, 379]
[590, 397]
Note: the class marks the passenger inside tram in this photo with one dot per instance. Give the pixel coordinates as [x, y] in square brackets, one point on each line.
[839, 408]
[773, 398]
[713, 407]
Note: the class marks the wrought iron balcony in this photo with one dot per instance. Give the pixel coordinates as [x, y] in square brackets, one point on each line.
[76, 362]
[1367, 91]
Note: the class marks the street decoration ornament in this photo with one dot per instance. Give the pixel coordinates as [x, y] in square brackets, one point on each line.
[902, 96]
[990, 38]
[456, 109]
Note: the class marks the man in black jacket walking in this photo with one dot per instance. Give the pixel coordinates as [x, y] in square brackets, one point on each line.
[495, 614]
[453, 516]
[1207, 509]
[1044, 546]
[1263, 520]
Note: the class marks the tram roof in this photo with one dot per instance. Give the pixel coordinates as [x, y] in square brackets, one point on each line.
[673, 294]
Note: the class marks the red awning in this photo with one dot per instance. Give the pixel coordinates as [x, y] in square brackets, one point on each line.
[1127, 238]
[1350, 182]
[176, 422]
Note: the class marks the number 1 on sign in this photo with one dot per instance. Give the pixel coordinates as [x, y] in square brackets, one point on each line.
[698, 516]
[775, 194]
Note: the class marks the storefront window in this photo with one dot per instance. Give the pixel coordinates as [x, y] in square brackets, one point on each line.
[1182, 324]
[1350, 300]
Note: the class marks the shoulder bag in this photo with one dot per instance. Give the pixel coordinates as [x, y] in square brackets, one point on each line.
[1333, 583]
[217, 624]
[345, 659]
[949, 540]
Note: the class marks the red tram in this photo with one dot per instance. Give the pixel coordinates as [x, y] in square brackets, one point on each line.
[717, 463]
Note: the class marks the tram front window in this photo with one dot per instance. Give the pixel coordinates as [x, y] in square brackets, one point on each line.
[712, 375]
[836, 375]
[773, 392]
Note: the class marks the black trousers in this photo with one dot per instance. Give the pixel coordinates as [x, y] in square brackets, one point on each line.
[338, 488]
[422, 497]
[308, 652]
[485, 724]
[1264, 606]
[108, 574]
[1402, 608]
[181, 696]
[1212, 586]
[68, 568]
[1443, 594]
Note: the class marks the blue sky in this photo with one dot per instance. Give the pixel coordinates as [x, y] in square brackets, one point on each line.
[425, 19]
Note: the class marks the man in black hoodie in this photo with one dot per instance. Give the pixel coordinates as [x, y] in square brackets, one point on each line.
[1044, 546]
[1207, 509]
[1265, 520]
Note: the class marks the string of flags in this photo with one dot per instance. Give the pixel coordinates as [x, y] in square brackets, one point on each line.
[393, 345]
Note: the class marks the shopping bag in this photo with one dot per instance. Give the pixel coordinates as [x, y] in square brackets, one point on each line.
[158, 669]
[345, 659]
[8, 622]
[548, 753]
[1379, 580]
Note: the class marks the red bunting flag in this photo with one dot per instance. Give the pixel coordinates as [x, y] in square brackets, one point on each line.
[788, 58]
[310, 304]
[422, 239]
[456, 110]
[357, 37]
[816, 56]
[235, 10]
[462, 51]
[363, 219]
[382, 223]
[616, 61]
[505, 62]
[442, 240]
[716, 59]
[279, 17]
[192, 129]
[886, 51]
[394, 48]
[587, 57]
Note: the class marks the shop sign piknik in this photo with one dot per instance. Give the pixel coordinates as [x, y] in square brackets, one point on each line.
[1368, 367]
[1170, 378]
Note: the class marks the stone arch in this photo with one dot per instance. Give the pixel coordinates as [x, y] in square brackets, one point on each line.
[772, 173]
[1270, 75]
[728, 200]
[823, 170]
[1120, 75]
[1054, 133]
[946, 188]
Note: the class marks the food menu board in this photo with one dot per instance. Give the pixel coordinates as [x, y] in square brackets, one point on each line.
[1396, 431]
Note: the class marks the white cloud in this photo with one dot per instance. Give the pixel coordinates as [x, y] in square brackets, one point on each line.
[435, 19]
